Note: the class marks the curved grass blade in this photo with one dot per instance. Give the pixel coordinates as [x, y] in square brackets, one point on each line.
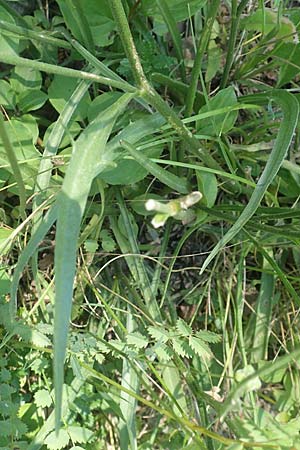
[169, 179]
[28, 251]
[290, 108]
[55, 138]
[90, 148]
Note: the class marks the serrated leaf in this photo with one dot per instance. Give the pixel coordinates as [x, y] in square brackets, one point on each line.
[183, 328]
[163, 353]
[180, 348]
[159, 334]
[208, 336]
[42, 398]
[56, 442]
[199, 347]
[107, 242]
[90, 246]
[137, 339]
[119, 346]
[80, 434]
[39, 339]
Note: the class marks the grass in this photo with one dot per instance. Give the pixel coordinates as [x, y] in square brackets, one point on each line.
[149, 232]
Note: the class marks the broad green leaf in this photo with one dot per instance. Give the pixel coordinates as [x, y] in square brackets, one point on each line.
[265, 20]
[96, 28]
[60, 91]
[20, 136]
[9, 43]
[7, 95]
[87, 160]
[24, 78]
[179, 9]
[31, 100]
[128, 171]
[220, 123]
[101, 103]
[290, 108]
[208, 186]
[287, 56]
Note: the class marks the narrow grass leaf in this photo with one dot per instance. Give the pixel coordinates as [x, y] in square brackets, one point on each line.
[174, 32]
[290, 109]
[90, 149]
[13, 164]
[55, 138]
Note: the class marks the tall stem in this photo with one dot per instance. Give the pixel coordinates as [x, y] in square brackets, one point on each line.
[203, 42]
[236, 12]
[146, 90]
[128, 43]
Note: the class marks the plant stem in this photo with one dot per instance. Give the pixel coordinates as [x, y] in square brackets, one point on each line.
[40, 36]
[148, 92]
[128, 43]
[236, 12]
[64, 71]
[203, 42]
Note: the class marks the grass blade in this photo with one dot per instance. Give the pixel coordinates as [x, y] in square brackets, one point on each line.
[174, 32]
[14, 165]
[90, 147]
[54, 140]
[28, 251]
[290, 108]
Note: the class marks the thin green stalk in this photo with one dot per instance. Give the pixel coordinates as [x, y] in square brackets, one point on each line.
[203, 42]
[263, 313]
[186, 423]
[64, 71]
[146, 90]
[236, 12]
[14, 166]
[140, 271]
[41, 36]
[128, 43]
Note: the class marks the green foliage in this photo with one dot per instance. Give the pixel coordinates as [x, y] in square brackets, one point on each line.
[149, 234]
